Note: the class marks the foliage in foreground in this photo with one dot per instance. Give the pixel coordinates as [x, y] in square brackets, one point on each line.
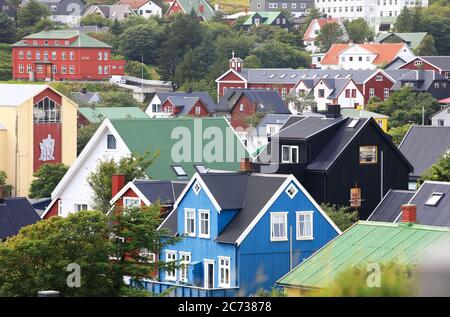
[342, 216]
[274, 292]
[440, 171]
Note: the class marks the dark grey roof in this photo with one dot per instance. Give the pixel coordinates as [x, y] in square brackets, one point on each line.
[166, 192]
[272, 118]
[305, 128]
[339, 85]
[395, 63]
[66, 7]
[204, 97]
[438, 215]
[442, 62]
[424, 145]
[83, 98]
[266, 101]
[248, 193]
[390, 206]
[15, 213]
[185, 103]
[423, 79]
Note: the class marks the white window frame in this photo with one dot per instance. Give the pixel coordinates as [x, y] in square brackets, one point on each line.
[290, 160]
[198, 110]
[71, 69]
[197, 187]
[272, 216]
[297, 224]
[59, 207]
[434, 199]
[186, 211]
[200, 233]
[184, 273]
[72, 56]
[386, 93]
[241, 107]
[371, 92]
[128, 205]
[291, 195]
[171, 275]
[151, 257]
[80, 207]
[224, 267]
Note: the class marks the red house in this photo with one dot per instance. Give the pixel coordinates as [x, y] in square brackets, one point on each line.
[63, 55]
[440, 64]
[175, 106]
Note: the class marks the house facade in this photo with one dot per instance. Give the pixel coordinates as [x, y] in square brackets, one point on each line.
[114, 12]
[202, 8]
[297, 8]
[413, 40]
[37, 125]
[63, 55]
[68, 12]
[424, 81]
[275, 18]
[143, 8]
[442, 117]
[115, 139]
[235, 233]
[440, 64]
[313, 30]
[336, 156]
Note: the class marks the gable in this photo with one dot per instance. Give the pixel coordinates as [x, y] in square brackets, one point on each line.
[231, 76]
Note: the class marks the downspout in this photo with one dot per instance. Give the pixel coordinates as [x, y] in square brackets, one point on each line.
[16, 174]
[382, 174]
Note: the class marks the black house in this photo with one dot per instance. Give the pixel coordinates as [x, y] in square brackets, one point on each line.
[333, 156]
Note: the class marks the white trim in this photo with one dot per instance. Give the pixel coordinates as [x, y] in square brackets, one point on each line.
[297, 229]
[174, 278]
[200, 234]
[205, 275]
[131, 198]
[191, 234]
[219, 284]
[133, 187]
[234, 72]
[375, 74]
[289, 179]
[406, 134]
[181, 253]
[291, 196]
[196, 192]
[290, 154]
[285, 215]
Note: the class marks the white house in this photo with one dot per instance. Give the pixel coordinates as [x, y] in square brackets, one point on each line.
[442, 117]
[313, 30]
[143, 8]
[337, 91]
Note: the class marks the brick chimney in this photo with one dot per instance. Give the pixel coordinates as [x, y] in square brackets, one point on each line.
[117, 183]
[246, 165]
[409, 213]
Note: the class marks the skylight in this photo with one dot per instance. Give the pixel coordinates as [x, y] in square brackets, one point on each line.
[272, 76]
[293, 76]
[179, 170]
[353, 123]
[201, 169]
[337, 76]
[325, 76]
[348, 76]
[434, 199]
[264, 74]
[282, 76]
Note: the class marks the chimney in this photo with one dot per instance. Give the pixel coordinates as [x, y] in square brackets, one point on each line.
[117, 183]
[246, 165]
[83, 91]
[333, 111]
[201, 8]
[409, 213]
[314, 109]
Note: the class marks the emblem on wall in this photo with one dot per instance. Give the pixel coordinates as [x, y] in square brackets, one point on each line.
[47, 146]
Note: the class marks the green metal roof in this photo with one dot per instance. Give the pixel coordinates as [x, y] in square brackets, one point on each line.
[142, 135]
[356, 113]
[268, 17]
[189, 5]
[365, 242]
[83, 40]
[95, 115]
[414, 39]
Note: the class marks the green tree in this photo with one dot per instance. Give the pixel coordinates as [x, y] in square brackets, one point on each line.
[140, 42]
[404, 22]
[46, 179]
[280, 55]
[116, 28]
[37, 258]
[440, 171]
[5, 189]
[15, 4]
[137, 69]
[398, 133]
[7, 30]
[200, 85]
[43, 25]
[359, 31]
[342, 216]
[29, 14]
[301, 102]
[314, 13]
[426, 47]
[84, 135]
[95, 19]
[254, 119]
[117, 98]
[132, 166]
[330, 34]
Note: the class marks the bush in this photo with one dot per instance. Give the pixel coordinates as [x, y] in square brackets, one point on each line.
[342, 216]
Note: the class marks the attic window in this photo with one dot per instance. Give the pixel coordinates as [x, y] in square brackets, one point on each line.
[201, 169]
[353, 123]
[291, 191]
[196, 188]
[179, 170]
[434, 199]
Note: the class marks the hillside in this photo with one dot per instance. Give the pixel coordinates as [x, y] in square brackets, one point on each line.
[231, 6]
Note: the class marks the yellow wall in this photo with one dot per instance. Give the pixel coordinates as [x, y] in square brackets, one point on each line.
[24, 114]
[384, 123]
[3, 143]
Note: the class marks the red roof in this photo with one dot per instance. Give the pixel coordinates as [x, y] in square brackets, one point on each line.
[445, 100]
[321, 22]
[134, 4]
[386, 52]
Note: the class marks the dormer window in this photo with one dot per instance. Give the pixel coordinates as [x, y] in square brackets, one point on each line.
[197, 187]
[434, 199]
[289, 154]
[111, 142]
[291, 191]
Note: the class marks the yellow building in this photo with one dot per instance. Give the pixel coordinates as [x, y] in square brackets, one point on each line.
[381, 119]
[37, 125]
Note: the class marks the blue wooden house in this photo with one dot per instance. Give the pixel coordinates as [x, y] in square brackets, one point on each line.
[241, 232]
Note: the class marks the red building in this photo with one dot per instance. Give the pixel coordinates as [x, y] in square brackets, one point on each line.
[185, 106]
[63, 55]
[439, 64]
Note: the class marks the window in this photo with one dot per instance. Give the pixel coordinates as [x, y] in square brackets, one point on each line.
[148, 256]
[105, 70]
[129, 202]
[256, 21]
[53, 55]
[360, 58]
[447, 75]
[189, 222]
[289, 154]
[185, 258]
[100, 56]
[294, 6]
[203, 216]
[378, 78]
[38, 55]
[434, 199]
[371, 92]
[80, 207]
[171, 256]
[291, 191]
[29, 68]
[46, 110]
[54, 69]
[386, 93]
[56, 43]
[197, 110]
[63, 69]
[283, 93]
[34, 42]
[28, 54]
[241, 107]
[304, 223]
[417, 63]
[53, 8]
[224, 271]
[111, 143]
[20, 54]
[59, 207]
[179, 170]
[71, 69]
[21, 68]
[197, 188]
[45, 56]
[436, 85]
[321, 93]
[39, 69]
[63, 56]
[440, 122]
[368, 154]
[72, 56]
[105, 56]
[66, 43]
[201, 169]
[278, 226]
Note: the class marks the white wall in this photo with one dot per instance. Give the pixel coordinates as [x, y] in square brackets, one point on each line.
[350, 102]
[443, 115]
[321, 101]
[154, 10]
